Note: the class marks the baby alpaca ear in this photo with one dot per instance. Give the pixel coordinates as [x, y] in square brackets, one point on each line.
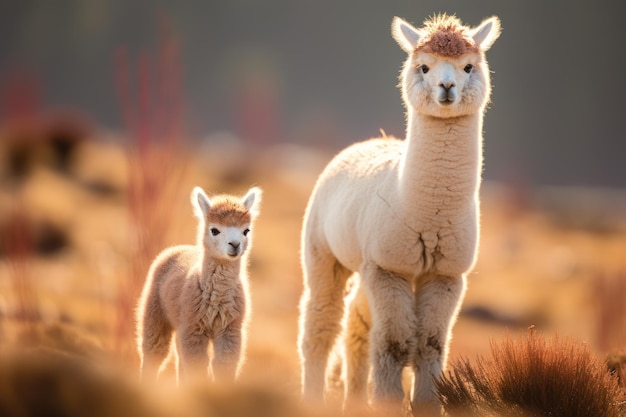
[252, 200]
[405, 34]
[486, 33]
[200, 202]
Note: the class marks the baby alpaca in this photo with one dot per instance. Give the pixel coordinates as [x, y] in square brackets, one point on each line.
[403, 215]
[200, 292]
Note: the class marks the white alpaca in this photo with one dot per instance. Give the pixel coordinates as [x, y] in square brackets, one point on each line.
[404, 216]
[200, 292]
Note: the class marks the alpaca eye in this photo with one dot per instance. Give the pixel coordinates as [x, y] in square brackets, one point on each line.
[214, 231]
[245, 232]
[423, 68]
[468, 68]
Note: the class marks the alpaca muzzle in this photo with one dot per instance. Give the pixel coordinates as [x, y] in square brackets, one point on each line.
[234, 249]
[447, 93]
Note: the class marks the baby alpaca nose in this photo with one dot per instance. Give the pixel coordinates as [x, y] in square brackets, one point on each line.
[235, 245]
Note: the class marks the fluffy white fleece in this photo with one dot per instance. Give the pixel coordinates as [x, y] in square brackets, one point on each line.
[404, 215]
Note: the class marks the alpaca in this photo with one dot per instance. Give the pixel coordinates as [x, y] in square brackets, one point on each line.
[403, 216]
[200, 292]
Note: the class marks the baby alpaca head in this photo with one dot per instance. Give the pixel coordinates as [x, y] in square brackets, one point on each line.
[225, 222]
[446, 74]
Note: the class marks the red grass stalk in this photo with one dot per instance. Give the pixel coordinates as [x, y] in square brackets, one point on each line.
[18, 244]
[532, 377]
[20, 102]
[154, 125]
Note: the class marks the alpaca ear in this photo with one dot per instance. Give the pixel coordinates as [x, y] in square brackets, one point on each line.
[252, 200]
[405, 34]
[486, 33]
[200, 202]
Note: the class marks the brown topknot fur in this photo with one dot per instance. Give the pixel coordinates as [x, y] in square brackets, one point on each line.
[445, 35]
[228, 211]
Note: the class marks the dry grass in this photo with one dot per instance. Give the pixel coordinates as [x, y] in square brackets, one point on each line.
[530, 270]
[616, 364]
[533, 377]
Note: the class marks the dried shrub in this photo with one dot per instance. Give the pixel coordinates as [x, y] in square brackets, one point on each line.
[532, 377]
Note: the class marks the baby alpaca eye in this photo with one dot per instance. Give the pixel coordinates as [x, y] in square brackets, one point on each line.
[214, 231]
[245, 232]
[468, 68]
[423, 68]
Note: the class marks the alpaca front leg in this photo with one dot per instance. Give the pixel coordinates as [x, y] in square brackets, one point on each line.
[227, 351]
[322, 308]
[438, 304]
[150, 364]
[193, 356]
[155, 341]
[392, 335]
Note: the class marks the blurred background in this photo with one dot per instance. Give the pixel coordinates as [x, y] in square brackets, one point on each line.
[327, 72]
[111, 111]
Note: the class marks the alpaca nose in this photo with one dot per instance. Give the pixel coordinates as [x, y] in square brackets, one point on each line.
[447, 85]
[235, 245]
[447, 92]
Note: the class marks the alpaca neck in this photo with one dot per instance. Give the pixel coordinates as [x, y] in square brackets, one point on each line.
[215, 271]
[441, 165]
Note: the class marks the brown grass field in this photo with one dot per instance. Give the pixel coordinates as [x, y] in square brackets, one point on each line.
[76, 244]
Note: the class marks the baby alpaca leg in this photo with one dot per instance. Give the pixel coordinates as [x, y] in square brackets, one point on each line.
[227, 350]
[193, 356]
[322, 307]
[392, 336]
[438, 303]
[155, 335]
[356, 348]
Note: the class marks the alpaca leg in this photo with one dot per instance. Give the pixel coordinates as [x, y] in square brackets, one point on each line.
[155, 340]
[192, 355]
[227, 351]
[152, 359]
[335, 379]
[438, 303]
[320, 319]
[356, 348]
[393, 331]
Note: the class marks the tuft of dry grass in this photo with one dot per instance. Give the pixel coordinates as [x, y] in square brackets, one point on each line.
[616, 364]
[532, 377]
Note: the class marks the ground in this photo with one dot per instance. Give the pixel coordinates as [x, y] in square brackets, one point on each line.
[77, 243]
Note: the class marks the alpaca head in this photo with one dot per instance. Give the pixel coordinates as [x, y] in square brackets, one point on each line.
[445, 74]
[225, 222]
